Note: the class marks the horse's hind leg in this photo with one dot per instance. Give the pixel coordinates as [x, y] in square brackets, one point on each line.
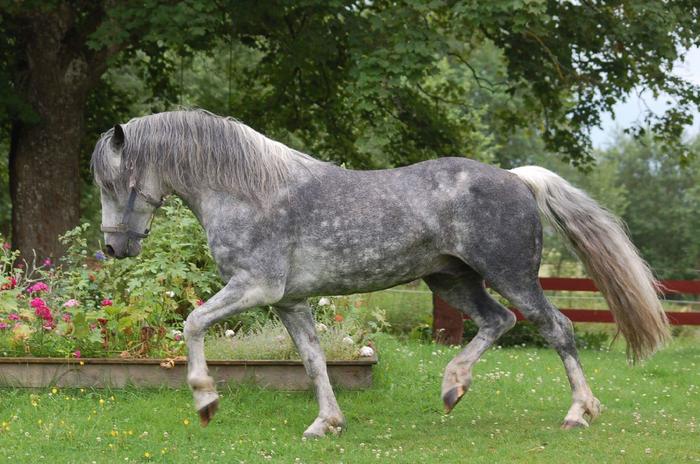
[467, 293]
[557, 330]
[299, 321]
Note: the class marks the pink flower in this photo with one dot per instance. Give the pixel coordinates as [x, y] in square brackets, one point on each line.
[9, 285]
[14, 317]
[177, 337]
[37, 303]
[44, 312]
[48, 326]
[41, 310]
[72, 303]
[106, 302]
[3, 326]
[66, 317]
[200, 302]
[48, 262]
[76, 353]
[6, 246]
[38, 287]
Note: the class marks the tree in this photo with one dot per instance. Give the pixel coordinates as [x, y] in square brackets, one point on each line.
[54, 55]
[367, 83]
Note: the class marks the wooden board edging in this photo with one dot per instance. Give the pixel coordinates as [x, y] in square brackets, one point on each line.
[31, 372]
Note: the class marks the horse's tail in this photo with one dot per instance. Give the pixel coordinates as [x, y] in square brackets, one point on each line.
[599, 239]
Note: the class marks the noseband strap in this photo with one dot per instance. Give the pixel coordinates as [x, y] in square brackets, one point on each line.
[123, 226]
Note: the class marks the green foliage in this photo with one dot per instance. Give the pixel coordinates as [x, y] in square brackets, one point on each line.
[640, 181]
[106, 307]
[171, 275]
[663, 204]
[526, 334]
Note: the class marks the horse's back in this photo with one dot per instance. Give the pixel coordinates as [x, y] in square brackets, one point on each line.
[378, 228]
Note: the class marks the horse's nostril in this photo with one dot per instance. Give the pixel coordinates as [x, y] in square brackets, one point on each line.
[109, 250]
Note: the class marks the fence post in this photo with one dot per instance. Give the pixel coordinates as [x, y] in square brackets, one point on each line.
[448, 323]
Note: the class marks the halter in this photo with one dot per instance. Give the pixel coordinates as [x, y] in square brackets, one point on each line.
[123, 226]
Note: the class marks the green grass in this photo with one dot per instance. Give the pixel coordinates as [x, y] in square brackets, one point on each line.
[511, 414]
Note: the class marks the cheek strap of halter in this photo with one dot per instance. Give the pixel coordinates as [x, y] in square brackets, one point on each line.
[123, 226]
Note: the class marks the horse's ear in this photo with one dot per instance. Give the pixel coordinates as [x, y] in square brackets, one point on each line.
[118, 137]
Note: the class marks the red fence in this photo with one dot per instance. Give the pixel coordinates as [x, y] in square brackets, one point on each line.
[448, 323]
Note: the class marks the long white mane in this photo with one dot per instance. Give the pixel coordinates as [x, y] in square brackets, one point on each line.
[195, 148]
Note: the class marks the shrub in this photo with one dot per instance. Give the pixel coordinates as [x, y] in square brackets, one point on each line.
[526, 334]
[89, 306]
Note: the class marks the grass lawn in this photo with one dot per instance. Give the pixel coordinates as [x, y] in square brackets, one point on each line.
[511, 414]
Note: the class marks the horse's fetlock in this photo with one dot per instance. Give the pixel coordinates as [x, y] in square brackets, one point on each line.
[204, 383]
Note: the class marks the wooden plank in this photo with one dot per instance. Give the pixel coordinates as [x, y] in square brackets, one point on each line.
[568, 284]
[121, 375]
[153, 361]
[691, 287]
[453, 327]
[577, 284]
[597, 315]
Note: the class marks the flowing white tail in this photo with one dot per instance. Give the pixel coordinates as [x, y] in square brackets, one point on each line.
[612, 261]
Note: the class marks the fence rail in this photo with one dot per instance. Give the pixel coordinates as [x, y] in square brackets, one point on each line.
[448, 325]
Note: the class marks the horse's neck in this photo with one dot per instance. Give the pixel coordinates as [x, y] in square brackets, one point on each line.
[206, 202]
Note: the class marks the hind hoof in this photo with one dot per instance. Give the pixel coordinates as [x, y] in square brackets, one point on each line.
[569, 424]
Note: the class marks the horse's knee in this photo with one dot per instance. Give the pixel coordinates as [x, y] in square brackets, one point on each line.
[193, 325]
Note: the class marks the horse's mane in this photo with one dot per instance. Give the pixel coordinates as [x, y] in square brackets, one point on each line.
[194, 148]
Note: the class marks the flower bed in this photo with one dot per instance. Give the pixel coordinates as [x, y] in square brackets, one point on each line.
[88, 321]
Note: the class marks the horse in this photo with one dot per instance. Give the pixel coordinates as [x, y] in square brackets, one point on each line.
[283, 226]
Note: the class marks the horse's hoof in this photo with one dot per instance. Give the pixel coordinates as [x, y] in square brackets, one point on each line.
[594, 409]
[320, 426]
[207, 412]
[569, 424]
[452, 397]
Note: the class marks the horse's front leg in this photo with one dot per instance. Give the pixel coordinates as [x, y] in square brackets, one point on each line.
[299, 321]
[237, 296]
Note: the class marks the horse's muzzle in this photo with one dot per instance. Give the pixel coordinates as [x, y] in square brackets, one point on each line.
[120, 247]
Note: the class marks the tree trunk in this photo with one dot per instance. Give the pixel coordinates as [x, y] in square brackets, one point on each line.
[45, 156]
[45, 180]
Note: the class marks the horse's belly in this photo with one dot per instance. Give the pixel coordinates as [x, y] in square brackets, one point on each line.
[354, 271]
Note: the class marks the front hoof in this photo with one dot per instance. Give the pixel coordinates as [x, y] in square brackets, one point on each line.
[451, 397]
[206, 403]
[321, 426]
[207, 412]
[569, 424]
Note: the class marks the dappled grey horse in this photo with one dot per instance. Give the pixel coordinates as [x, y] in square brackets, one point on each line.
[283, 226]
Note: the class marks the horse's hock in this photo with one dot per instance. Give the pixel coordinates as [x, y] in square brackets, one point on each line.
[153, 373]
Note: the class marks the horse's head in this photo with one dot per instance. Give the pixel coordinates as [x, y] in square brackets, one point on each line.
[129, 199]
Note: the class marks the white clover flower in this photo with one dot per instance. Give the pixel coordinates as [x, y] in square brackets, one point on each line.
[321, 327]
[366, 352]
[324, 301]
[348, 340]
[170, 293]
[176, 333]
[229, 333]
